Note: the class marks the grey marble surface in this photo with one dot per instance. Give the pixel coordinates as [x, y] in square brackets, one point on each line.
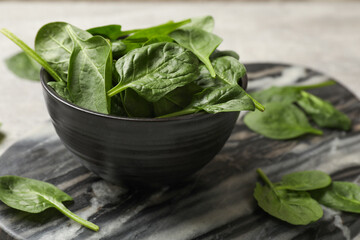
[216, 203]
[321, 35]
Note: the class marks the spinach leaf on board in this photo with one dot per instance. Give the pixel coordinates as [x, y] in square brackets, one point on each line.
[344, 196]
[205, 23]
[54, 44]
[90, 65]
[323, 113]
[218, 99]
[304, 181]
[23, 66]
[31, 53]
[294, 207]
[35, 196]
[286, 94]
[280, 121]
[155, 70]
[200, 42]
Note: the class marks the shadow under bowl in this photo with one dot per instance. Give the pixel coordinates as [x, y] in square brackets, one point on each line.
[138, 151]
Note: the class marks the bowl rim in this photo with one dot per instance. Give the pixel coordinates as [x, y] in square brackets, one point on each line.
[45, 76]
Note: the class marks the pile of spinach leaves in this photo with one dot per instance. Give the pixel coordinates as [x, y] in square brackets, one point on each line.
[162, 71]
[288, 109]
[297, 198]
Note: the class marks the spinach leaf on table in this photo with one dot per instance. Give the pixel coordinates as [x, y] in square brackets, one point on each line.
[32, 54]
[323, 113]
[200, 42]
[90, 65]
[23, 66]
[155, 70]
[344, 196]
[280, 121]
[304, 181]
[54, 44]
[35, 196]
[294, 207]
[218, 99]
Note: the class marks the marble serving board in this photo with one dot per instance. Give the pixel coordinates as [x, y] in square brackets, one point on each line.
[216, 203]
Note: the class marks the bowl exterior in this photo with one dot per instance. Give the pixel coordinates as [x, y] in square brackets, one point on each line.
[138, 151]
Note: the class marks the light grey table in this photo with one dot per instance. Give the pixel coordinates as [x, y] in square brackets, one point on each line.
[323, 36]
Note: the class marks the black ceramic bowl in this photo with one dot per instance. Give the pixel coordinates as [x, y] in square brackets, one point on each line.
[143, 151]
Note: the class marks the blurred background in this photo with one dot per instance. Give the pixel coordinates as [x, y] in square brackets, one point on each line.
[323, 35]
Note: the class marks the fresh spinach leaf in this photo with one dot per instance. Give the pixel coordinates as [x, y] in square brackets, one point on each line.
[280, 121]
[286, 94]
[112, 31]
[344, 196]
[55, 46]
[35, 196]
[200, 42]
[158, 40]
[61, 89]
[205, 23]
[294, 207]
[90, 65]
[118, 48]
[155, 70]
[176, 100]
[304, 181]
[323, 113]
[31, 53]
[218, 53]
[158, 31]
[23, 66]
[214, 100]
[136, 106]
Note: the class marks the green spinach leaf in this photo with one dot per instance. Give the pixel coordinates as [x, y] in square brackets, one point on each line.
[118, 48]
[31, 53]
[89, 76]
[155, 70]
[323, 113]
[218, 53]
[344, 196]
[304, 181]
[23, 66]
[200, 42]
[35, 196]
[294, 207]
[214, 100]
[205, 23]
[61, 89]
[280, 121]
[286, 94]
[136, 106]
[54, 44]
[112, 31]
[158, 31]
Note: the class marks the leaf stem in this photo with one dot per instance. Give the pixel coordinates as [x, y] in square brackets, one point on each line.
[265, 178]
[318, 85]
[115, 90]
[179, 113]
[59, 206]
[31, 53]
[258, 105]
